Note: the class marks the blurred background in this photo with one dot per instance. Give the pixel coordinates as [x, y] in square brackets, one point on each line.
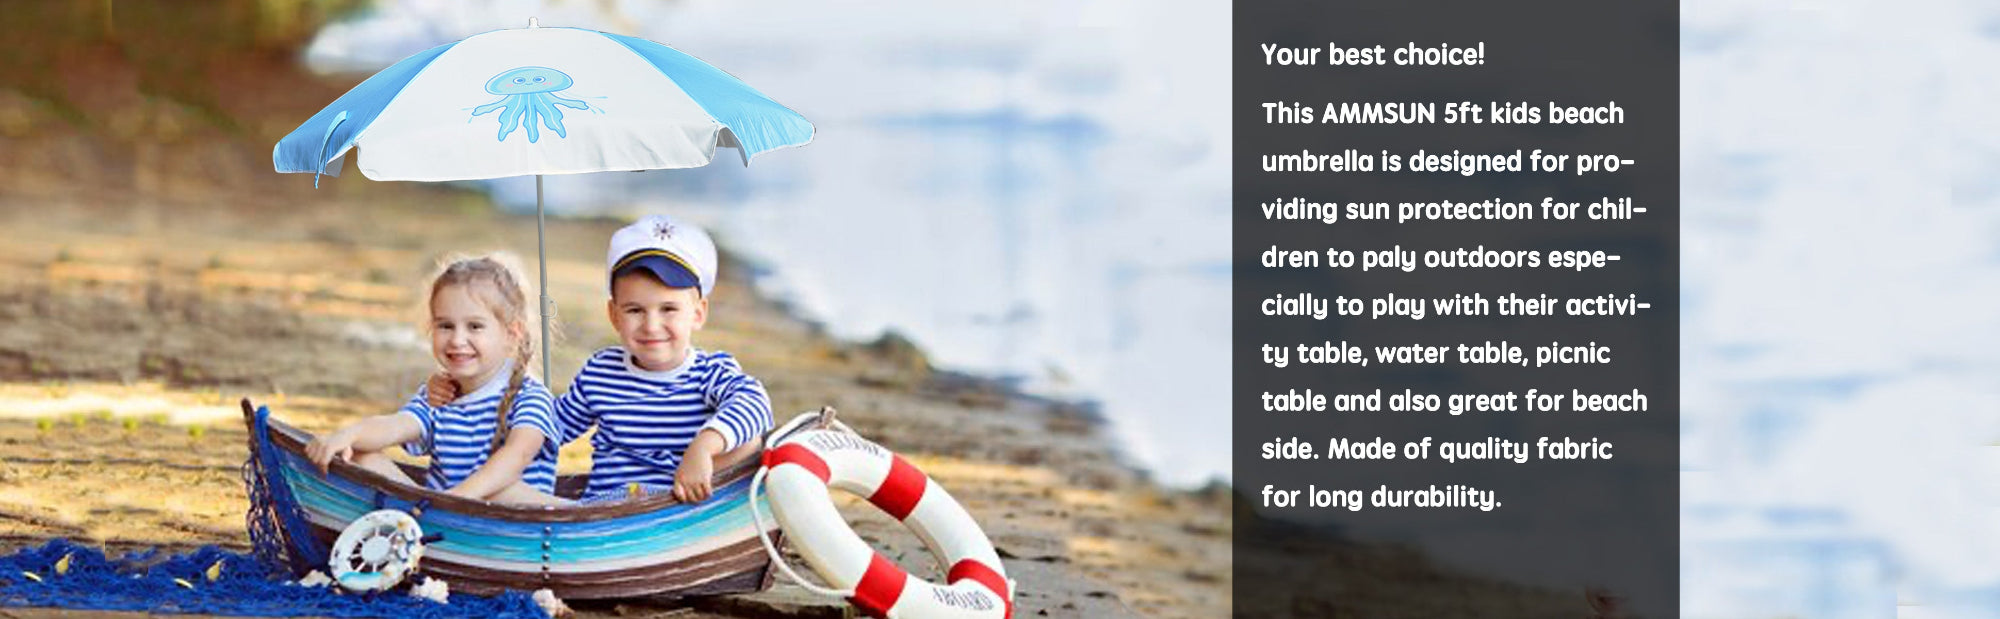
[1841, 258]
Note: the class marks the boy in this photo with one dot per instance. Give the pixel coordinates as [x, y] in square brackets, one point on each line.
[666, 412]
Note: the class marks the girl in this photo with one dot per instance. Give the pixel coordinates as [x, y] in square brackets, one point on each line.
[479, 330]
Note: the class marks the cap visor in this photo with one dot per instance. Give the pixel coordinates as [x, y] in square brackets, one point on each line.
[663, 268]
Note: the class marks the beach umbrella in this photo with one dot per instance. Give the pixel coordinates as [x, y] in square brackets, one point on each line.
[537, 101]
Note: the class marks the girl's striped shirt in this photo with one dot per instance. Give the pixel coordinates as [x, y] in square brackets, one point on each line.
[459, 436]
[645, 420]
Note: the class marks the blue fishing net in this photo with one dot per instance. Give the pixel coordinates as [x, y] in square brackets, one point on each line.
[212, 581]
[243, 585]
[279, 534]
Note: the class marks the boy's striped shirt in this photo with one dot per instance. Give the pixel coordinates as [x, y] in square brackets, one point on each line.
[459, 436]
[645, 420]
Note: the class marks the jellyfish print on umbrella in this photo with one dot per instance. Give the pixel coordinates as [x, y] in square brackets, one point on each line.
[527, 96]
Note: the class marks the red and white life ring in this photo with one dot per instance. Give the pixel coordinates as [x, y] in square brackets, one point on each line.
[801, 468]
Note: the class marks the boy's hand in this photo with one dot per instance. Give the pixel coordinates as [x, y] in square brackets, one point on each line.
[693, 480]
[322, 450]
[440, 390]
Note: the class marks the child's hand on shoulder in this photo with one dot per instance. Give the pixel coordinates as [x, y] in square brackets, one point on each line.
[440, 390]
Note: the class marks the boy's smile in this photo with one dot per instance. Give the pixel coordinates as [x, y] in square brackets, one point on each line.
[656, 323]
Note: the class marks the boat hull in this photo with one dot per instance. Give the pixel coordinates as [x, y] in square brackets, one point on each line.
[644, 547]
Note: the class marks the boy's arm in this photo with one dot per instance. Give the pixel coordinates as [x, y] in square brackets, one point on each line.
[742, 408]
[742, 413]
[573, 415]
[694, 474]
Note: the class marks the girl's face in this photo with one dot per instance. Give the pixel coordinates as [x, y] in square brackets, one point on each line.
[468, 340]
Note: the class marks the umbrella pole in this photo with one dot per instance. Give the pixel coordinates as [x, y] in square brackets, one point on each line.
[542, 255]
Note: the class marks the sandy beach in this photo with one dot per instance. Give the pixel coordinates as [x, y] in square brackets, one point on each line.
[127, 354]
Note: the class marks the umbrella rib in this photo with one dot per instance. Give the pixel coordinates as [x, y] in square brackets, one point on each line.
[337, 120]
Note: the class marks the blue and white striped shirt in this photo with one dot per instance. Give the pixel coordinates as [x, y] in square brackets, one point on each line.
[645, 420]
[459, 436]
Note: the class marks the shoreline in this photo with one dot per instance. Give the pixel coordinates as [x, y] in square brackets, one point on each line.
[767, 282]
[899, 348]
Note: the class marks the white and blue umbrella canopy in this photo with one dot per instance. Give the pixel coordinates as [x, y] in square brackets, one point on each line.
[540, 101]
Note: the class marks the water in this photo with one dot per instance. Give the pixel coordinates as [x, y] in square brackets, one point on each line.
[1838, 343]
[1031, 190]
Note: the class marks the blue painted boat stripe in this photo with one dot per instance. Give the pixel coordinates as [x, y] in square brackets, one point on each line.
[324, 137]
[759, 123]
[641, 542]
[337, 499]
[668, 534]
[325, 498]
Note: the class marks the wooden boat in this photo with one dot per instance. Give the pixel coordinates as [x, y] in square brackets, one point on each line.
[641, 547]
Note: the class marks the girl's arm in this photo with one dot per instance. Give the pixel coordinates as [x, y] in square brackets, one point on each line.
[372, 434]
[505, 466]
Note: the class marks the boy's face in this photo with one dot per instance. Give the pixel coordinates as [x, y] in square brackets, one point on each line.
[654, 322]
